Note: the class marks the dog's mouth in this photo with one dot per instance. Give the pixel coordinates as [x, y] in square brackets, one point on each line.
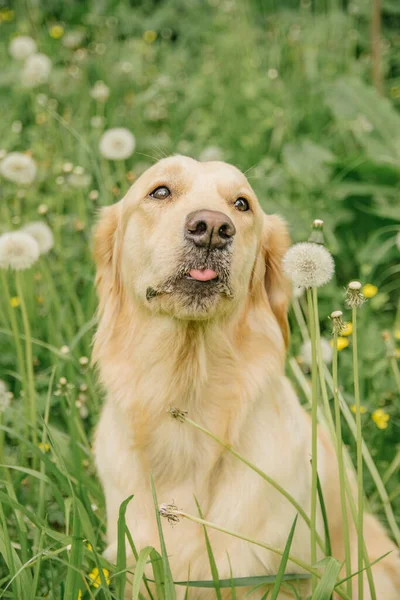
[197, 277]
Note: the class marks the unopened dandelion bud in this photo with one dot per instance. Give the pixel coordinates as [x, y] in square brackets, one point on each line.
[175, 413]
[317, 233]
[169, 512]
[354, 295]
[338, 324]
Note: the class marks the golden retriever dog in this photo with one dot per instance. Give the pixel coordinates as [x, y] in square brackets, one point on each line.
[193, 314]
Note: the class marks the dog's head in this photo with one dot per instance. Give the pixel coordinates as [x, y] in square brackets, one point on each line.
[190, 240]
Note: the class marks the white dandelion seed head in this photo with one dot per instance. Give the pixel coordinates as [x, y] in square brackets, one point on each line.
[36, 71]
[211, 153]
[21, 47]
[18, 250]
[19, 168]
[100, 91]
[306, 352]
[42, 233]
[308, 265]
[117, 144]
[72, 39]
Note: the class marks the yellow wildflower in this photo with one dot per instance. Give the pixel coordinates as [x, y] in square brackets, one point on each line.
[95, 578]
[79, 595]
[347, 329]
[7, 15]
[380, 418]
[15, 302]
[397, 334]
[56, 32]
[149, 36]
[44, 447]
[363, 409]
[342, 343]
[369, 290]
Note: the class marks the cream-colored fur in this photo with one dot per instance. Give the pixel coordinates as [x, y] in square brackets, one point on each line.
[225, 367]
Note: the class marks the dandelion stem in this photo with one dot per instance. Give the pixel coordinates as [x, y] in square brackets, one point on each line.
[360, 486]
[341, 467]
[314, 434]
[29, 358]
[300, 318]
[280, 489]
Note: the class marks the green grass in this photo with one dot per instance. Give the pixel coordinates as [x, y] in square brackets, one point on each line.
[285, 94]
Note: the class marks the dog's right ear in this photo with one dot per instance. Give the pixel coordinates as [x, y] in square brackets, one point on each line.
[106, 253]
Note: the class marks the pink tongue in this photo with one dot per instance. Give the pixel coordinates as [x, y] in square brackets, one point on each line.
[203, 275]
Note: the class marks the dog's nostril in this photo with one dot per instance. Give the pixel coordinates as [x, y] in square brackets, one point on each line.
[199, 228]
[224, 231]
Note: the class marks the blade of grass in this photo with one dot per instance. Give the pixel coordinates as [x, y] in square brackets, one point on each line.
[169, 584]
[255, 580]
[328, 550]
[141, 562]
[283, 563]
[211, 558]
[121, 549]
[326, 585]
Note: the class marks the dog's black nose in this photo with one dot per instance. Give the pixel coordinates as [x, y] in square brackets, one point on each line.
[209, 229]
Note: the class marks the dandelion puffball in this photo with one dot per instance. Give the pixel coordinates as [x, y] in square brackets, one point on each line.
[21, 47]
[19, 168]
[306, 352]
[100, 91]
[42, 233]
[117, 144]
[36, 71]
[211, 153]
[18, 251]
[308, 265]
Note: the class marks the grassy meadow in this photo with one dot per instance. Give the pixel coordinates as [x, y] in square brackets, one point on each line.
[283, 90]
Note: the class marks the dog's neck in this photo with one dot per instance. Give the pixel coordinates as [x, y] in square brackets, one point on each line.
[150, 362]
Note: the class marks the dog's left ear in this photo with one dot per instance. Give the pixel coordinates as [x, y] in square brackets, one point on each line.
[106, 255]
[275, 242]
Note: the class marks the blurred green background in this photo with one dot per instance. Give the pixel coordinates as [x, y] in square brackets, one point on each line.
[285, 90]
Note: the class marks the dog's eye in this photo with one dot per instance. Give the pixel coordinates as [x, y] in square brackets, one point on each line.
[242, 204]
[160, 193]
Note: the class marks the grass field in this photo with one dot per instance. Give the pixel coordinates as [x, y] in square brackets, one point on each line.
[286, 95]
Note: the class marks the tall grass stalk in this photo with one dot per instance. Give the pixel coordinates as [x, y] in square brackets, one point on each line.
[314, 434]
[29, 358]
[17, 342]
